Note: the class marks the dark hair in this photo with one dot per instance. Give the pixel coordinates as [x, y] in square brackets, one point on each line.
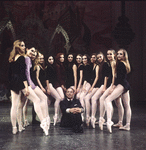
[104, 59]
[46, 60]
[101, 64]
[57, 58]
[88, 58]
[79, 55]
[48, 64]
[67, 63]
[95, 57]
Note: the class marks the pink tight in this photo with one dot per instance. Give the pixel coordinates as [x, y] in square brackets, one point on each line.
[87, 101]
[83, 93]
[16, 99]
[60, 92]
[94, 99]
[57, 97]
[117, 102]
[119, 90]
[43, 101]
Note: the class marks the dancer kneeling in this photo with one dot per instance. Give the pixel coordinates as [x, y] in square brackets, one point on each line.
[71, 109]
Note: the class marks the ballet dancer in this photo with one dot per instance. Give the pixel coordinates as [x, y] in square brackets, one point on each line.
[111, 69]
[43, 98]
[26, 102]
[40, 72]
[79, 75]
[60, 74]
[86, 81]
[120, 87]
[71, 72]
[94, 87]
[52, 85]
[18, 85]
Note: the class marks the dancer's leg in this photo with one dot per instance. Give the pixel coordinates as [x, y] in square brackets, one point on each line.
[13, 113]
[126, 101]
[43, 100]
[20, 111]
[102, 102]
[119, 89]
[26, 123]
[82, 96]
[87, 101]
[94, 99]
[79, 93]
[119, 105]
[37, 106]
[57, 97]
[60, 92]
[36, 101]
[88, 107]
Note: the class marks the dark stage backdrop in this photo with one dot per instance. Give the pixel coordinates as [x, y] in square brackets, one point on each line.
[74, 26]
[87, 24]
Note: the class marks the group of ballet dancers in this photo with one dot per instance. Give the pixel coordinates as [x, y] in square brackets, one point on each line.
[96, 79]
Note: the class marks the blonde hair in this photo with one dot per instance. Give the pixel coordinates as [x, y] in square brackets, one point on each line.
[16, 50]
[126, 61]
[37, 62]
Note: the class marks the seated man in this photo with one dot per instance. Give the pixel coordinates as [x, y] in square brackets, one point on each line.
[71, 112]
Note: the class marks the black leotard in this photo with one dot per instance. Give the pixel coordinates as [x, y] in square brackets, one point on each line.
[103, 72]
[87, 73]
[69, 76]
[51, 74]
[81, 67]
[93, 76]
[42, 77]
[122, 76]
[33, 74]
[17, 74]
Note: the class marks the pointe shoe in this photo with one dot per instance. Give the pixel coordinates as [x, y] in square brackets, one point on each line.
[26, 123]
[109, 126]
[48, 122]
[82, 116]
[118, 125]
[14, 130]
[101, 123]
[93, 119]
[21, 128]
[88, 121]
[44, 126]
[126, 127]
[55, 119]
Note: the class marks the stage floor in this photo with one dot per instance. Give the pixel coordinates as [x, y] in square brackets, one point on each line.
[59, 138]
